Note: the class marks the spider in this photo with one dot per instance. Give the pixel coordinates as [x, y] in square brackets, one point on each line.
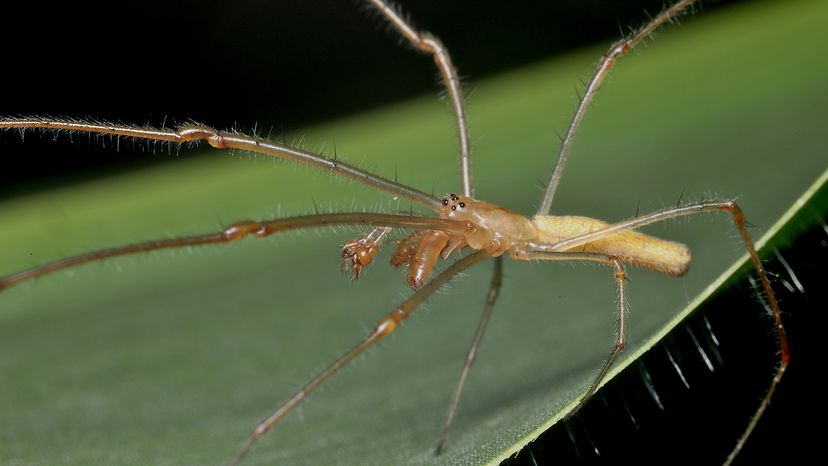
[457, 201]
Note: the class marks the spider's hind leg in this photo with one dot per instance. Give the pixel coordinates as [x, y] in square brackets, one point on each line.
[621, 306]
[738, 218]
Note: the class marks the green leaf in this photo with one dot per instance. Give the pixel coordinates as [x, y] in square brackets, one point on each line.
[699, 381]
[172, 357]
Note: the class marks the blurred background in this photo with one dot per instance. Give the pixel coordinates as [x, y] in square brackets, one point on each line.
[288, 64]
[275, 65]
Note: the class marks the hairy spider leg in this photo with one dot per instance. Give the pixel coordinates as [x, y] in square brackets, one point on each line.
[226, 140]
[238, 231]
[621, 306]
[739, 220]
[471, 356]
[616, 51]
[383, 328]
[427, 43]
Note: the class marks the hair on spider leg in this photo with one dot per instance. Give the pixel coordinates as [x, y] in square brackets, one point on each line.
[707, 348]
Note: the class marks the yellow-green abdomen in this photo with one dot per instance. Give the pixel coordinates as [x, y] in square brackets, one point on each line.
[632, 247]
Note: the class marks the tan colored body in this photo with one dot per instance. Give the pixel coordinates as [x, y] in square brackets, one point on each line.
[514, 231]
[632, 247]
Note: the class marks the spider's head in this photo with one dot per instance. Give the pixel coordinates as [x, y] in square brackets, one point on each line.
[455, 207]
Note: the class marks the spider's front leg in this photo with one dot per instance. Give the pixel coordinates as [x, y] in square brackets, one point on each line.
[428, 43]
[238, 231]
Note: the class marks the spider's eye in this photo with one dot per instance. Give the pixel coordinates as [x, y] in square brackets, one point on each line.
[462, 204]
[454, 197]
[454, 207]
[445, 201]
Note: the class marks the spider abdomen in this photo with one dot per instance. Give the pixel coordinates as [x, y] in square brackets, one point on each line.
[632, 247]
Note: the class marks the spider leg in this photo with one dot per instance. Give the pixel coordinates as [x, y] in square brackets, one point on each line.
[383, 328]
[621, 305]
[238, 231]
[491, 297]
[427, 43]
[616, 51]
[741, 224]
[226, 140]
